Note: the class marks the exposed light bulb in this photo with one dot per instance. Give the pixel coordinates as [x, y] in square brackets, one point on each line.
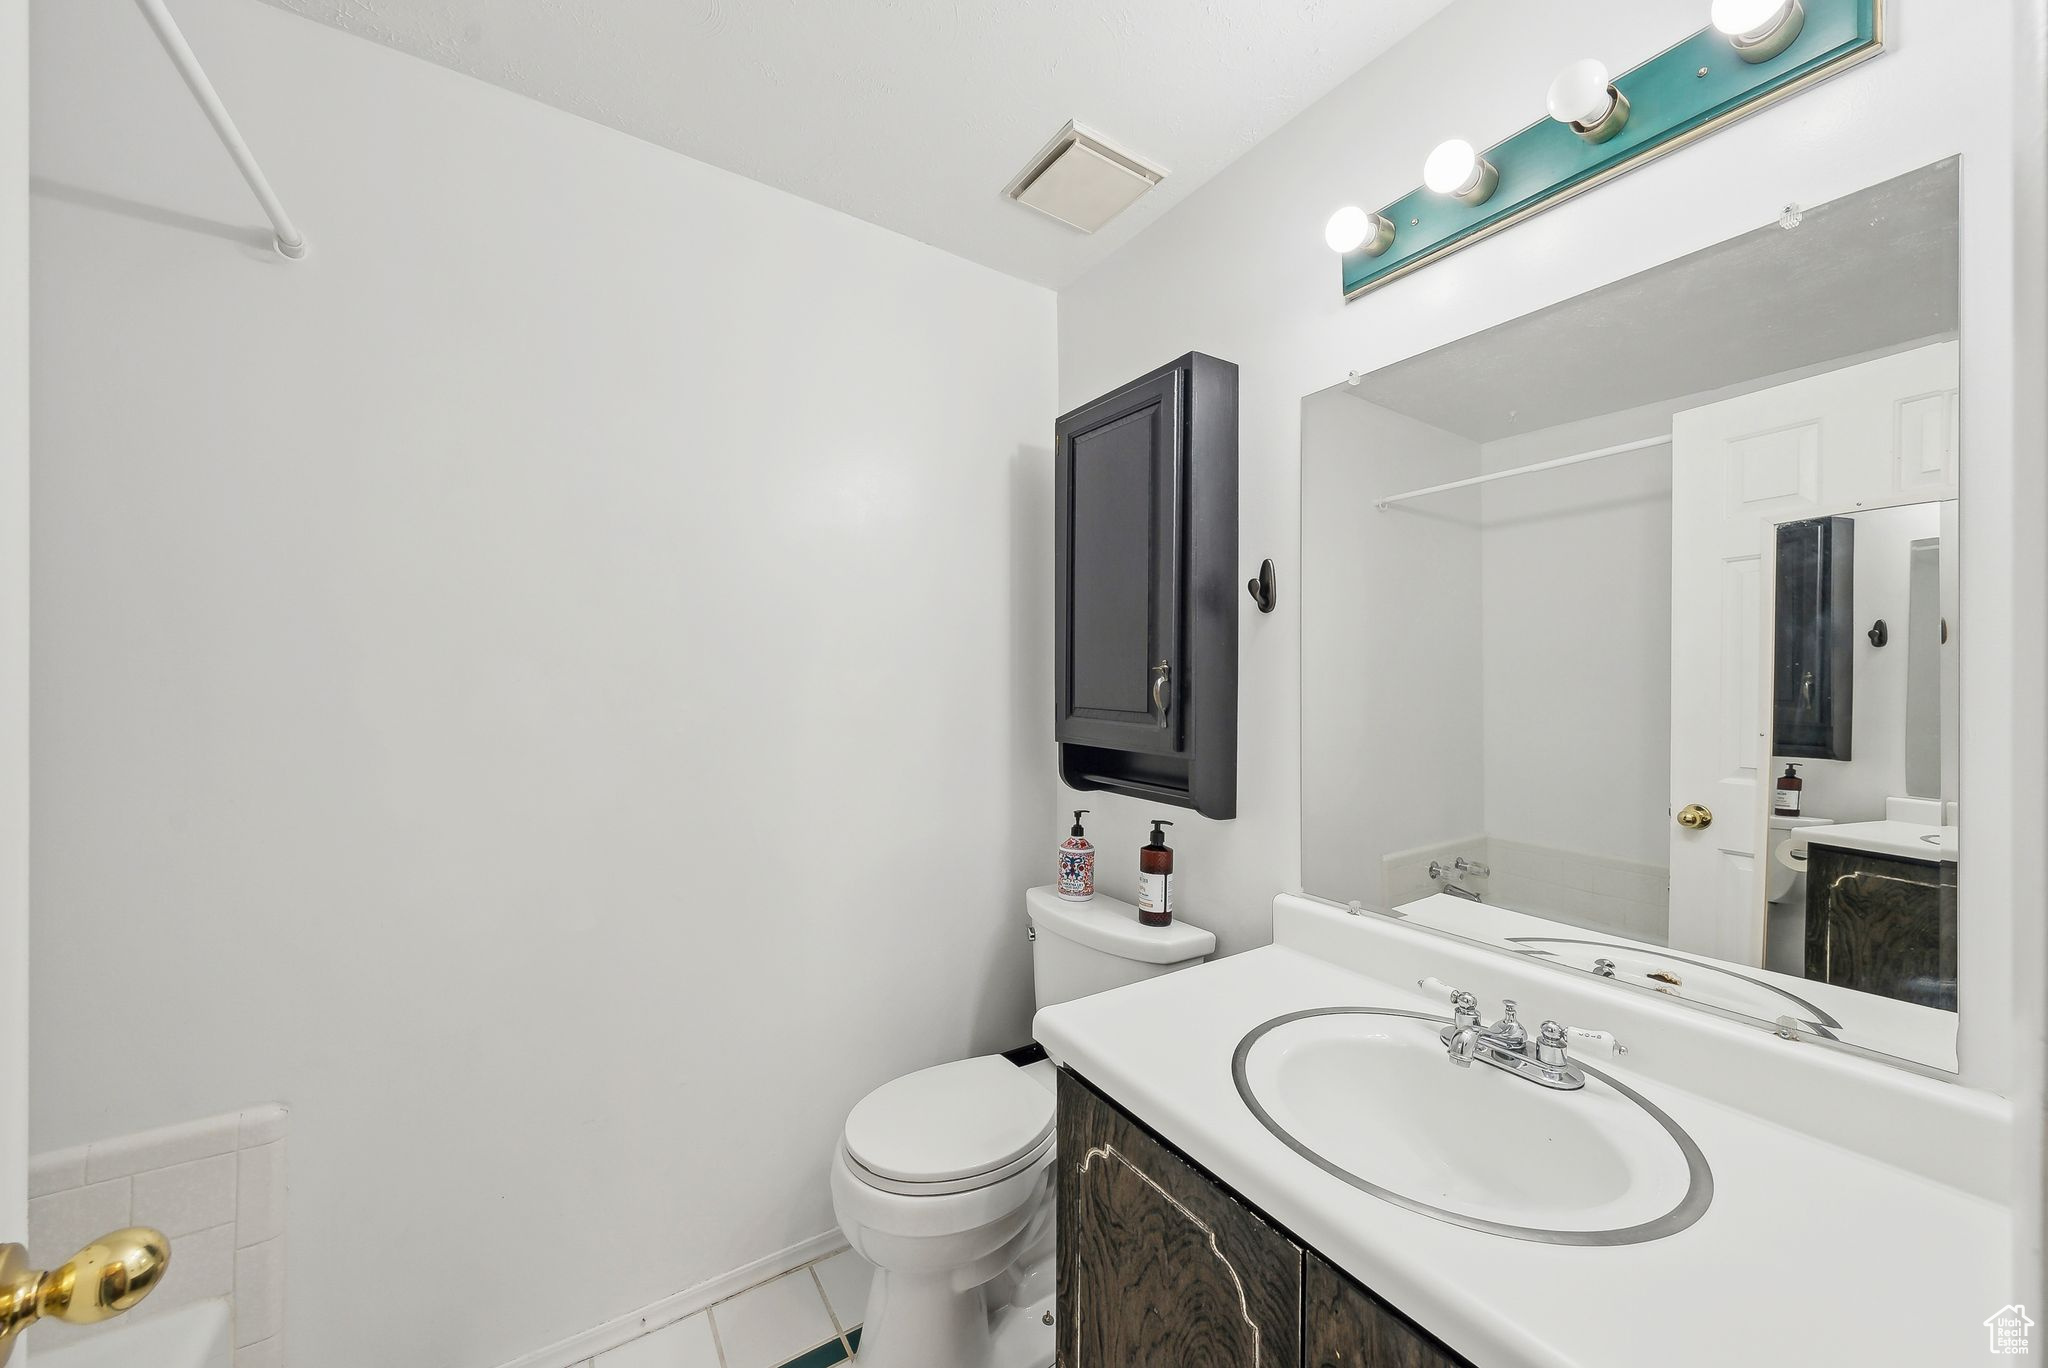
[1352, 229]
[1580, 94]
[1347, 229]
[1457, 169]
[1584, 97]
[1741, 18]
[1451, 167]
[1759, 29]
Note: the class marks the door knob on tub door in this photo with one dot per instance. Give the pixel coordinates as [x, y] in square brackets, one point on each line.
[1693, 817]
[100, 1281]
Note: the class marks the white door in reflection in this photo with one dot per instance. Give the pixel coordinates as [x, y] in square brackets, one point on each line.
[1875, 433]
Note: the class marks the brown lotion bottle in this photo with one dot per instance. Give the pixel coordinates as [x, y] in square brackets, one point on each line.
[1155, 879]
[1789, 794]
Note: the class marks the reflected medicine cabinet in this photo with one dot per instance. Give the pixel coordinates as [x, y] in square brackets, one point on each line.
[1145, 593]
[1815, 675]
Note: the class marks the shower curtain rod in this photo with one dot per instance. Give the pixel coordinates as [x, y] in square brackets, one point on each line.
[289, 242]
[1384, 504]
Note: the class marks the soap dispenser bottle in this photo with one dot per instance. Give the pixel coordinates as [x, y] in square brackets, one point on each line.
[1077, 864]
[1155, 879]
[1790, 790]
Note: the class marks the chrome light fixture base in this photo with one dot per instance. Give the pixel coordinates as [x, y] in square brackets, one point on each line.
[1382, 236]
[1760, 45]
[1485, 180]
[1616, 119]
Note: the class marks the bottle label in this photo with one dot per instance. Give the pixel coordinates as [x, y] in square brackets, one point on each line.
[1155, 895]
[1788, 802]
[1077, 872]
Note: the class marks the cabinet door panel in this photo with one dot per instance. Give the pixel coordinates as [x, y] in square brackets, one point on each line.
[1159, 1267]
[1881, 925]
[1347, 1327]
[1118, 571]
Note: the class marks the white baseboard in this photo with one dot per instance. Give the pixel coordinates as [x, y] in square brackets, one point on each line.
[613, 1333]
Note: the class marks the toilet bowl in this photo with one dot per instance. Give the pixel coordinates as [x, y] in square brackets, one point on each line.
[943, 1178]
[943, 1181]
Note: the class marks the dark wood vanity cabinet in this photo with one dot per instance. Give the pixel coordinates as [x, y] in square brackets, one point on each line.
[1881, 924]
[1160, 1266]
[1345, 1326]
[1145, 597]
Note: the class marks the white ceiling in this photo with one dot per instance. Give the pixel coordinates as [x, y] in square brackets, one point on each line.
[913, 114]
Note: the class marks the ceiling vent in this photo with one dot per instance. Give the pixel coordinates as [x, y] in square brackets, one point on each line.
[1081, 180]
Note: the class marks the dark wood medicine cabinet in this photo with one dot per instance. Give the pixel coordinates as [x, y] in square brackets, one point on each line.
[1814, 665]
[1145, 589]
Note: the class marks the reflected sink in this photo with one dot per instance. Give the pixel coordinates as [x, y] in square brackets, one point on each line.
[1697, 980]
[1369, 1096]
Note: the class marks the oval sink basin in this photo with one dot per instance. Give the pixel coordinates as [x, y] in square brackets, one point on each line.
[1369, 1096]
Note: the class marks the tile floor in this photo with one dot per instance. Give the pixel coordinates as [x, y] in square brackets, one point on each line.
[806, 1319]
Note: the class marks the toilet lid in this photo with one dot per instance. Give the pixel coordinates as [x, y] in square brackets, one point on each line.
[951, 1122]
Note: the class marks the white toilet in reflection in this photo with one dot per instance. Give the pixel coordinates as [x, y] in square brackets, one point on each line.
[944, 1181]
[1785, 889]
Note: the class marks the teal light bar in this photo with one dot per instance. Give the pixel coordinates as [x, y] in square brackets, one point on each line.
[1683, 93]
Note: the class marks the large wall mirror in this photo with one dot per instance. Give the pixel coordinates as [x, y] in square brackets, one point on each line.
[1631, 629]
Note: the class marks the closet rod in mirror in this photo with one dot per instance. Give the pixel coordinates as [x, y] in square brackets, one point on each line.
[1384, 504]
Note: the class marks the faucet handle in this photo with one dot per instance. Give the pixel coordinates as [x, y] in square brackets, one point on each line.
[1464, 1007]
[1581, 1038]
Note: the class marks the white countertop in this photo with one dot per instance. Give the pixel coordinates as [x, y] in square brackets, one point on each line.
[1907, 840]
[1810, 1255]
[1926, 1035]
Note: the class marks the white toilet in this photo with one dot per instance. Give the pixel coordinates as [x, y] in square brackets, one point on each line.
[944, 1177]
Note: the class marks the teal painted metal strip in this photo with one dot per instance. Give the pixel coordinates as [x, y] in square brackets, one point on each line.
[1668, 101]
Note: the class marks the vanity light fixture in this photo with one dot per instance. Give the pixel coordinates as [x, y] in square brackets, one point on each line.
[1456, 169]
[1618, 120]
[1352, 229]
[1759, 29]
[1583, 96]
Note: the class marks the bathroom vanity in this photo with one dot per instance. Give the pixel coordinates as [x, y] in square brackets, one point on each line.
[1582, 594]
[1238, 1288]
[1191, 1231]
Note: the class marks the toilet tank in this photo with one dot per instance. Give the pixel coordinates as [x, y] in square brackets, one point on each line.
[1090, 947]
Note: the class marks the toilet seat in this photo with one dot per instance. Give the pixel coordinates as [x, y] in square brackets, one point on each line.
[952, 1128]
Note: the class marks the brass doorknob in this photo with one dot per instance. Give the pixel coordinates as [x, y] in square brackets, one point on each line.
[99, 1282]
[1693, 817]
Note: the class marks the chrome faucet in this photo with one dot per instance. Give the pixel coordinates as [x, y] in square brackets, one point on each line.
[1544, 1058]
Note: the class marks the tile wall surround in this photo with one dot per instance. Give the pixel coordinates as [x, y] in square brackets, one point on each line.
[1598, 892]
[808, 1317]
[1404, 875]
[217, 1187]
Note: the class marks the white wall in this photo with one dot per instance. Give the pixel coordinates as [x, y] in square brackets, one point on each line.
[14, 613]
[1576, 612]
[553, 686]
[1239, 270]
[1392, 700]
